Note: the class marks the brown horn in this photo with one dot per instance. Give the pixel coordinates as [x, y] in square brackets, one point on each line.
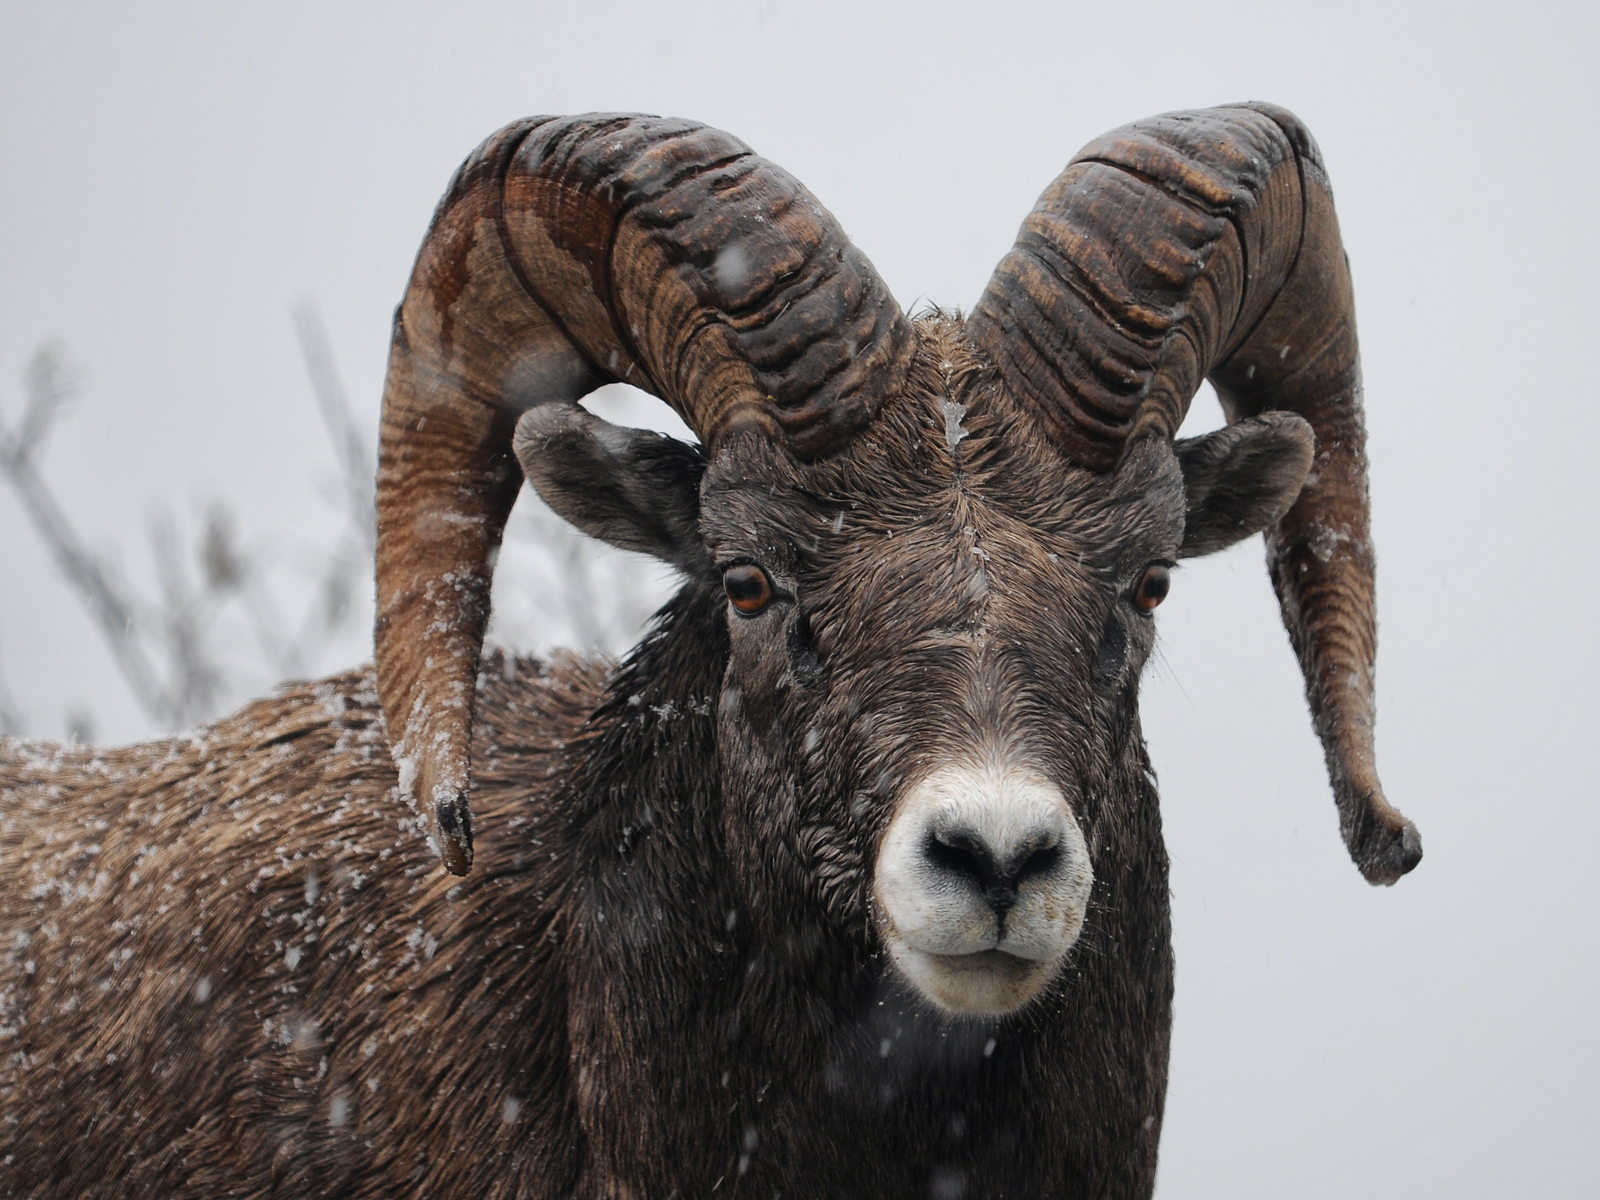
[1204, 244]
[568, 253]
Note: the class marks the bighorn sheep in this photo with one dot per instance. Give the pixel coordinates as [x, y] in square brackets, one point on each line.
[850, 880]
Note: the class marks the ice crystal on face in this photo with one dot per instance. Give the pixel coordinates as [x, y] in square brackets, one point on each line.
[953, 432]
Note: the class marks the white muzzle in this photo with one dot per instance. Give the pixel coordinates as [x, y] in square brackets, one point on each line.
[981, 885]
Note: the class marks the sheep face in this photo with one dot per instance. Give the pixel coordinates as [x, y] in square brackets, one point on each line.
[922, 721]
[928, 720]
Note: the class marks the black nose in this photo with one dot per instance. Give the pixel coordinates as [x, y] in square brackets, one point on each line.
[996, 872]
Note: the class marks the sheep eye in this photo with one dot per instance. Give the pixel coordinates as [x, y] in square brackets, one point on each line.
[1152, 587]
[749, 590]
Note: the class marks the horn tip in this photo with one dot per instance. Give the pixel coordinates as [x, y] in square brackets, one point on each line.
[444, 804]
[453, 818]
[1385, 845]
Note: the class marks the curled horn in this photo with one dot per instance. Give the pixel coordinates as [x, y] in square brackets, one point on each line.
[1204, 245]
[568, 253]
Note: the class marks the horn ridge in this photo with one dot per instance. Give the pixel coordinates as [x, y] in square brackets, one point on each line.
[568, 252]
[1127, 232]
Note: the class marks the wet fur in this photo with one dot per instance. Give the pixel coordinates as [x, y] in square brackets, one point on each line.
[661, 977]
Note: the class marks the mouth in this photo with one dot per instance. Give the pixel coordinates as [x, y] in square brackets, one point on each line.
[985, 983]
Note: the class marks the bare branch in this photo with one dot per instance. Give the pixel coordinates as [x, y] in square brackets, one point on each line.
[357, 460]
[230, 571]
[50, 387]
[108, 603]
[194, 680]
[221, 561]
[332, 602]
[181, 650]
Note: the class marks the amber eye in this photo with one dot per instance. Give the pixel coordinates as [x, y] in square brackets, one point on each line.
[1152, 587]
[749, 590]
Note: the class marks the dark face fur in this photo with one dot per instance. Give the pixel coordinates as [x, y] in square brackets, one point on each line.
[929, 711]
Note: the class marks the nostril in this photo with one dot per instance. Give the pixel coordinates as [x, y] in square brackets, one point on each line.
[964, 853]
[1040, 861]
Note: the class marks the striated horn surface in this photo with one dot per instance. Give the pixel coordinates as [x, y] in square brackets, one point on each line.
[568, 253]
[1204, 244]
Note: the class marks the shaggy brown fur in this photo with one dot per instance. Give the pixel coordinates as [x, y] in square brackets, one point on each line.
[227, 970]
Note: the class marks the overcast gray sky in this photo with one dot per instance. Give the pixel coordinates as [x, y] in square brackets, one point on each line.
[175, 175]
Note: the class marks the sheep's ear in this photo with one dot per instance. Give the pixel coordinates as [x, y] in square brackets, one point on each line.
[1240, 479]
[632, 488]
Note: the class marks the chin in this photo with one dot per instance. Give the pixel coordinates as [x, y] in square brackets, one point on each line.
[987, 983]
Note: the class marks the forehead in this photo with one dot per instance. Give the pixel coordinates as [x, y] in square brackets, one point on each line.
[957, 459]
